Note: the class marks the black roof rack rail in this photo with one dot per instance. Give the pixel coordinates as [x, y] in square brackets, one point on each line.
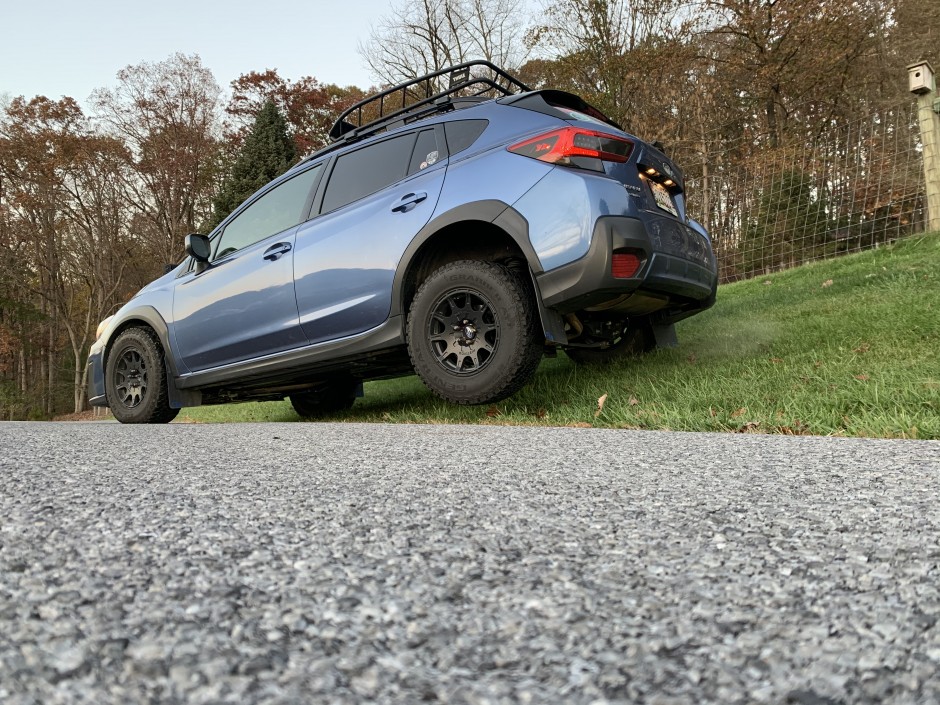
[426, 98]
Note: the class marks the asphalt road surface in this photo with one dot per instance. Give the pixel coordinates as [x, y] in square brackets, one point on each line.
[334, 563]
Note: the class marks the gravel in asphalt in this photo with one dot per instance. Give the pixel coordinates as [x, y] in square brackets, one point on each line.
[349, 563]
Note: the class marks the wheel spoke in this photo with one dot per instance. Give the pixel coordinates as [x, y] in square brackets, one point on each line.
[462, 331]
[130, 378]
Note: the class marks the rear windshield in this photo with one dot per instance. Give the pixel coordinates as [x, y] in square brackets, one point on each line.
[578, 115]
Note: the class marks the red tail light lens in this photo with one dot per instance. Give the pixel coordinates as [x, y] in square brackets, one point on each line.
[570, 144]
[624, 265]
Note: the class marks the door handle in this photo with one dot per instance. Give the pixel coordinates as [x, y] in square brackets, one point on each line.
[409, 201]
[275, 251]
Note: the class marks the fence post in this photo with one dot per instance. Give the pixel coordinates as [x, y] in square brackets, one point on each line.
[921, 82]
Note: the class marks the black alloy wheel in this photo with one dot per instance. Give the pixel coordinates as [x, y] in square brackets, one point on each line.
[136, 380]
[130, 378]
[473, 332]
[463, 331]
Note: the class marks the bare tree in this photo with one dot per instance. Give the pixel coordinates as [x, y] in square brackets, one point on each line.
[631, 59]
[99, 248]
[167, 114]
[794, 59]
[419, 37]
[65, 230]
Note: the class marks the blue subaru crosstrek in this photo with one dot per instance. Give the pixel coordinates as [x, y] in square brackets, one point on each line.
[459, 226]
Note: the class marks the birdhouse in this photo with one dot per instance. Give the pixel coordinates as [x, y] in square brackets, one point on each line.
[920, 78]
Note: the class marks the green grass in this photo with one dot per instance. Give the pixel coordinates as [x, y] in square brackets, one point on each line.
[844, 347]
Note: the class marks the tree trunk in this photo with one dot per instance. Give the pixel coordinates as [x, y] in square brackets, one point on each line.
[50, 397]
[772, 122]
[80, 379]
[22, 361]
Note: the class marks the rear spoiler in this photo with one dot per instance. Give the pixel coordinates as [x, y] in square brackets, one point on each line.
[546, 101]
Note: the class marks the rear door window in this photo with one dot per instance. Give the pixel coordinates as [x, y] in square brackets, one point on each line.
[425, 152]
[367, 170]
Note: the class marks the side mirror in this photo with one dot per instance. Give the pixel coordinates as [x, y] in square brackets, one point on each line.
[198, 247]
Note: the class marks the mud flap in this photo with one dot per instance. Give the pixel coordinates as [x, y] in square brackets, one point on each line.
[665, 334]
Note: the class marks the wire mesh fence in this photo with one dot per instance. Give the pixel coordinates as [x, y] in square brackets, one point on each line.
[851, 187]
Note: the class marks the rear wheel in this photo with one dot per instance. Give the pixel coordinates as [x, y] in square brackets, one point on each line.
[473, 333]
[136, 379]
[327, 398]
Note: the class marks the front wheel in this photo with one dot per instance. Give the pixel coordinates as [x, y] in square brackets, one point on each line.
[136, 379]
[473, 333]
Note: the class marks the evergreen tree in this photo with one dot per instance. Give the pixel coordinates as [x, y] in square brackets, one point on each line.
[268, 151]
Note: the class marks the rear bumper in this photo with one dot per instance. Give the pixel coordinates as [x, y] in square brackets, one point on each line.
[677, 270]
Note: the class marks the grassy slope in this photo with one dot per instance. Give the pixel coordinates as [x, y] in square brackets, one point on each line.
[846, 347]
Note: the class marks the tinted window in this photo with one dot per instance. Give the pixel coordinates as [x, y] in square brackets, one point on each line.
[425, 153]
[277, 210]
[367, 170]
[462, 133]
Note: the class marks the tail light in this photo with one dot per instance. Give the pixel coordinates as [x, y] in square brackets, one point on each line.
[575, 146]
[624, 265]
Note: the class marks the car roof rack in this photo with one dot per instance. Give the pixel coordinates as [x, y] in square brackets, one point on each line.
[382, 110]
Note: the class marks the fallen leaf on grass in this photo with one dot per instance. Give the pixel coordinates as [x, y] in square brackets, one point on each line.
[776, 360]
[862, 378]
[748, 427]
[541, 414]
[691, 358]
[739, 413]
[863, 348]
[493, 411]
[634, 401]
[712, 412]
[827, 283]
[817, 364]
[600, 405]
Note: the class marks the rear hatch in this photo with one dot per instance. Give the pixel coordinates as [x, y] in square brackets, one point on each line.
[648, 175]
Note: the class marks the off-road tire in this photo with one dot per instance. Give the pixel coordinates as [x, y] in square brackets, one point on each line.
[634, 341]
[498, 348]
[326, 398]
[136, 379]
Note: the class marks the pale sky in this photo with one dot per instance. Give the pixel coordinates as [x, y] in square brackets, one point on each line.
[56, 48]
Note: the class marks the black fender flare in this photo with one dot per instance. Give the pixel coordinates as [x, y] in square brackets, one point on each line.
[507, 219]
[148, 315]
